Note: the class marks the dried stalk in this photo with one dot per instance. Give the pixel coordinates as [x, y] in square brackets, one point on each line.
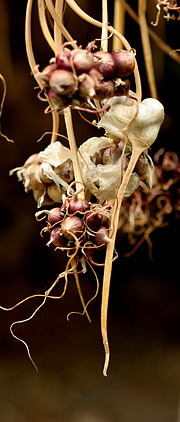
[142, 6]
[118, 23]
[32, 62]
[137, 149]
[104, 41]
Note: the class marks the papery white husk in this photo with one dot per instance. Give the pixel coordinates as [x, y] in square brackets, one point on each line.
[106, 177]
[144, 127]
[55, 154]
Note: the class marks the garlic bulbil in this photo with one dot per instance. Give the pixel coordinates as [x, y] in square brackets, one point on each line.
[103, 167]
[48, 174]
[122, 113]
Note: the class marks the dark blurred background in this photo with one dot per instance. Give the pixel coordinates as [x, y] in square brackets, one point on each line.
[143, 383]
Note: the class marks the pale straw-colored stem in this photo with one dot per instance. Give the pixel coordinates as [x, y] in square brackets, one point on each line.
[136, 152]
[118, 23]
[32, 62]
[57, 32]
[58, 21]
[44, 26]
[142, 6]
[104, 32]
[73, 147]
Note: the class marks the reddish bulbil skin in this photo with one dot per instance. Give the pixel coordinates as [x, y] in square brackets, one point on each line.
[104, 63]
[124, 63]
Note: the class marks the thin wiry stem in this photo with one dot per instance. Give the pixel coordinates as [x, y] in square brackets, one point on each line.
[118, 23]
[142, 6]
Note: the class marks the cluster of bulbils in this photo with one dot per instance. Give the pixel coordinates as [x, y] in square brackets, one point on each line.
[77, 76]
[78, 227]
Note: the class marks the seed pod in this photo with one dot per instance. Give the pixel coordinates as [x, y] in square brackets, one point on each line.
[62, 82]
[98, 77]
[111, 154]
[72, 226]
[101, 236]
[106, 89]
[63, 59]
[44, 170]
[45, 74]
[54, 193]
[56, 238]
[55, 215]
[82, 60]
[58, 102]
[65, 170]
[124, 62]
[86, 86]
[32, 179]
[78, 205]
[33, 159]
[104, 63]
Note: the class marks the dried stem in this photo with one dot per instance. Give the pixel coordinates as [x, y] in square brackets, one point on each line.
[136, 152]
[142, 6]
[119, 23]
[32, 62]
[72, 143]
[104, 33]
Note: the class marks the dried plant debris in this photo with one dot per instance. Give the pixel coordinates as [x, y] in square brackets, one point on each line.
[171, 9]
[150, 208]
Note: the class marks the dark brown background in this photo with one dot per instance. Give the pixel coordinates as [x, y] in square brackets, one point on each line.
[143, 383]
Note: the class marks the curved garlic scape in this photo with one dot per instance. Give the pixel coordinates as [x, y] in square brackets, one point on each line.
[103, 180]
[144, 127]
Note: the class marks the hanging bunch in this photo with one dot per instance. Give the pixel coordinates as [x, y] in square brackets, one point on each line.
[76, 76]
[78, 227]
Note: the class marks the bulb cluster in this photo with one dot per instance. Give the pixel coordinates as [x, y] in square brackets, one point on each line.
[47, 182]
[78, 75]
[79, 227]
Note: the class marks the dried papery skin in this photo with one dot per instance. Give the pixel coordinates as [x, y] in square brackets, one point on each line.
[42, 198]
[106, 178]
[31, 179]
[55, 193]
[65, 170]
[55, 154]
[144, 127]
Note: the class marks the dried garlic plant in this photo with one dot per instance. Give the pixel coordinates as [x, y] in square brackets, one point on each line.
[93, 187]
